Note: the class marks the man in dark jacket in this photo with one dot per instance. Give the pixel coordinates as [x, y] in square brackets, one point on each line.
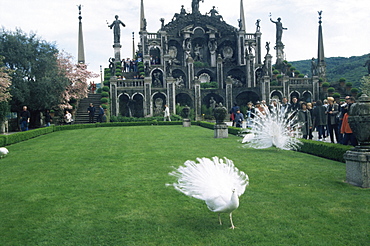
[319, 118]
[25, 119]
[91, 111]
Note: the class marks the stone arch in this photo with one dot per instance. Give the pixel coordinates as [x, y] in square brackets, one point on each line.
[123, 105]
[238, 77]
[184, 99]
[276, 94]
[137, 107]
[157, 78]
[204, 73]
[307, 96]
[206, 99]
[159, 99]
[294, 94]
[246, 96]
[155, 54]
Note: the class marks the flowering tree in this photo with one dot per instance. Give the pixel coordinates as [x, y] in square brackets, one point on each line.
[5, 82]
[77, 74]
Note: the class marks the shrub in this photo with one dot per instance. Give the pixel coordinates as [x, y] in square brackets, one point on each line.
[336, 95]
[354, 90]
[279, 76]
[331, 89]
[105, 94]
[103, 100]
[209, 85]
[105, 88]
[349, 84]
[342, 80]
[275, 72]
[104, 106]
[301, 75]
[325, 84]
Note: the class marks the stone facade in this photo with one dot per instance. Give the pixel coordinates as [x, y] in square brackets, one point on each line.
[193, 49]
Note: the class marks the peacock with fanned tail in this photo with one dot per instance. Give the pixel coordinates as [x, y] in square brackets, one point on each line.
[216, 181]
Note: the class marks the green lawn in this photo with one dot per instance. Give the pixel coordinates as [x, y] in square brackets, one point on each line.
[106, 186]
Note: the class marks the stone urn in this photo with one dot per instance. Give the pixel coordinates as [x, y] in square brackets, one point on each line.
[221, 128]
[359, 121]
[185, 114]
[220, 113]
[358, 158]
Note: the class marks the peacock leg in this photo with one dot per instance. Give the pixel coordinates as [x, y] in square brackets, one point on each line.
[219, 218]
[231, 220]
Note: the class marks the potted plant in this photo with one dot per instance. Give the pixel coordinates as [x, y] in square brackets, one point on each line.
[325, 86]
[354, 91]
[331, 91]
[342, 82]
[348, 86]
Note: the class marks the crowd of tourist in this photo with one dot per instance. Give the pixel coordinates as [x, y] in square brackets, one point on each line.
[328, 118]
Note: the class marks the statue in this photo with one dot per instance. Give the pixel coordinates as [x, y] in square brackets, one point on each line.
[279, 30]
[116, 29]
[197, 53]
[267, 46]
[195, 6]
[212, 103]
[258, 28]
[313, 67]
[368, 65]
[112, 66]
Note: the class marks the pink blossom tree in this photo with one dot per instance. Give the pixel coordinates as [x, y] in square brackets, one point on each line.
[77, 74]
[5, 82]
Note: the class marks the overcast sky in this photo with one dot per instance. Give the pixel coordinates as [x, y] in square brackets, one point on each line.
[345, 23]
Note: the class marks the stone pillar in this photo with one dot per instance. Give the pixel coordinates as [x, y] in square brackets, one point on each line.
[220, 72]
[197, 99]
[241, 48]
[221, 128]
[190, 71]
[279, 54]
[258, 48]
[315, 88]
[229, 93]
[171, 94]
[358, 158]
[148, 96]
[251, 80]
[117, 52]
[265, 88]
[113, 95]
[268, 59]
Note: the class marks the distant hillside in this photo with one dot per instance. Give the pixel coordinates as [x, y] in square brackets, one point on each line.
[352, 68]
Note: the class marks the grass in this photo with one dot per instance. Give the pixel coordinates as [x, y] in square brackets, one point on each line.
[106, 186]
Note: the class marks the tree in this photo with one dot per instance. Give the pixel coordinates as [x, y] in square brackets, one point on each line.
[36, 81]
[5, 82]
[77, 75]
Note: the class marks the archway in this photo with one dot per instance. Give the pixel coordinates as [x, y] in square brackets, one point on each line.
[184, 99]
[155, 55]
[159, 100]
[247, 96]
[124, 105]
[307, 96]
[137, 109]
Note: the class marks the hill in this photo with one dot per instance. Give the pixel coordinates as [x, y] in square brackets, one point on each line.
[351, 68]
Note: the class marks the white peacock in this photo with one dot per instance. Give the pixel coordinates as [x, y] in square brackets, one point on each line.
[217, 182]
[3, 152]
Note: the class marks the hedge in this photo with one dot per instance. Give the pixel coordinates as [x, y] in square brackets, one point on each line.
[322, 149]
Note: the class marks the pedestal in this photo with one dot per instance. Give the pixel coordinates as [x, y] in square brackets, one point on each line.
[221, 130]
[117, 52]
[358, 167]
[186, 123]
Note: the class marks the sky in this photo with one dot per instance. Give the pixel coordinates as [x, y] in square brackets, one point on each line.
[345, 24]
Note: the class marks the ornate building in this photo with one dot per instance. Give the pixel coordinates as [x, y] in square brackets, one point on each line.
[195, 48]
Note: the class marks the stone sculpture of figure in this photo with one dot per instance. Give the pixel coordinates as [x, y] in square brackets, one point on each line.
[195, 6]
[267, 46]
[116, 29]
[212, 103]
[112, 66]
[313, 67]
[213, 12]
[157, 80]
[180, 82]
[144, 24]
[212, 45]
[279, 30]
[197, 53]
[258, 28]
[368, 65]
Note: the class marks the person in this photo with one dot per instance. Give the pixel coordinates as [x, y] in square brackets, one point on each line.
[167, 113]
[91, 111]
[319, 118]
[309, 108]
[68, 118]
[48, 118]
[249, 114]
[346, 128]
[239, 119]
[100, 114]
[233, 112]
[260, 110]
[343, 108]
[332, 112]
[304, 119]
[284, 107]
[25, 116]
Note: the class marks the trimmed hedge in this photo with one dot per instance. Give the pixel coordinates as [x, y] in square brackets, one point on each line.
[326, 150]
[322, 149]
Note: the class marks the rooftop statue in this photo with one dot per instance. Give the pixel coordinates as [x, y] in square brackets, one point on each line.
[195, 6]
[116, 29]
[279, 30]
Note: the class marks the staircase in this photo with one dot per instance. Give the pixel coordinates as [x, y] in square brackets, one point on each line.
[82, 117]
